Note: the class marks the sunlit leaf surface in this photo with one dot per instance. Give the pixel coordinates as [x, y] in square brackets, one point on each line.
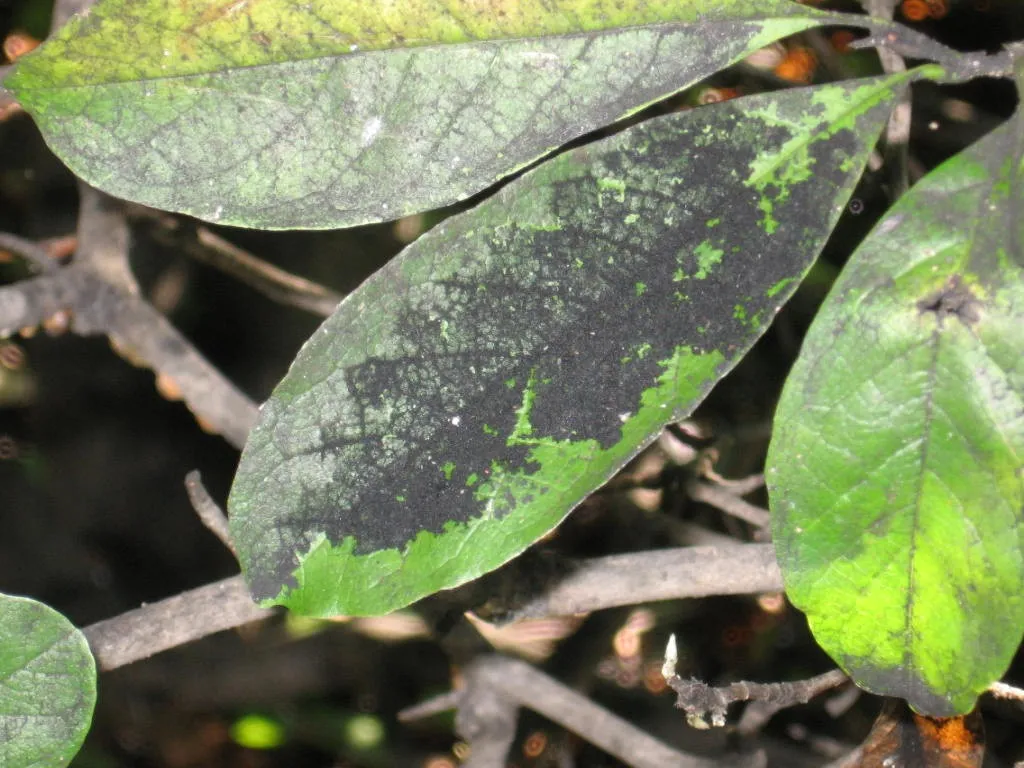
[895, 470]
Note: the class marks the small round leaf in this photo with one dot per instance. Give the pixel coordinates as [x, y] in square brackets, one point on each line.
[47, 685]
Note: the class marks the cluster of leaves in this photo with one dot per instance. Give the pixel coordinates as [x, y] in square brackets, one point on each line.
[463, 400]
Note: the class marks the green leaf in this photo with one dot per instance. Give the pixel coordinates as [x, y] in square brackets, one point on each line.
[460, 402]
[47, 685]
[895, 471]
[332, 113]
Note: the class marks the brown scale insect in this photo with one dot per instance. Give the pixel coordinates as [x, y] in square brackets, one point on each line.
[715, 95]
[535, 745]
[12, 357]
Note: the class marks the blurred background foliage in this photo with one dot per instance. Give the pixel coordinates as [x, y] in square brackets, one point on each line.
[96, 520]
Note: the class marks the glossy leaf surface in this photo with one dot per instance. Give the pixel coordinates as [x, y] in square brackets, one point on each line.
[332, 113]
[47, 685]
[895, 471]
[460, 402]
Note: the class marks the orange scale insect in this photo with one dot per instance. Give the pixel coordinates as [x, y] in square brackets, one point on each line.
[17, 44]
[798, 66]
[915, 10]
[937, 9]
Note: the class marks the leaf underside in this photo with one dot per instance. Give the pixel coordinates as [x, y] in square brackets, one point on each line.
[47, 685]
[466, 397]
[895, 471]
[272, 114]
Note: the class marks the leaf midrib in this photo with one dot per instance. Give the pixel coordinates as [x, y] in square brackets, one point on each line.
[661, 27]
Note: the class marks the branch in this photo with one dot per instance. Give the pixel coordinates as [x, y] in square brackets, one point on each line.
[99, 292]
[276, 284]
[32, 252]
[443, 702]
[140, 333]
[897, 132]
[738, 487]
[683, 532]
[728, 500]
[486, 718]
[104, 239]
[65, 9]
[157, 627]
[1006, 691]
[701, 701]
[209, 248]
[760, 710]
[667, 574]
[960, 67]
[496, 686]
[211, 515]
[28, 303]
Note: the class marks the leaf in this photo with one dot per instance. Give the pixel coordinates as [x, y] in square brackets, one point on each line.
[47, 685]
[458, 404]
[275, 114]
[896, 472]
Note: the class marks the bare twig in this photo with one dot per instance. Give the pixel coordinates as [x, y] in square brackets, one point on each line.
[755, 716]
[140, 633]
[140, 333]
[897, 132]
[897, 143]
[676, 450]
[495, 684]
[880, 9]
[729, 501]
[959, 66]
[685, 533]
[207, 247]
[209, 512]
[738, 487]
[820, 744]
[1005, 691]
[702, 702]
[104, 239]
[443, 702]
[667, 574]
[34, 253]
[99, 292]
[28, 303]
[486, 718]
[65, 9]
[831, 59]
[838, 704]
[278, 285]
[758, 713]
